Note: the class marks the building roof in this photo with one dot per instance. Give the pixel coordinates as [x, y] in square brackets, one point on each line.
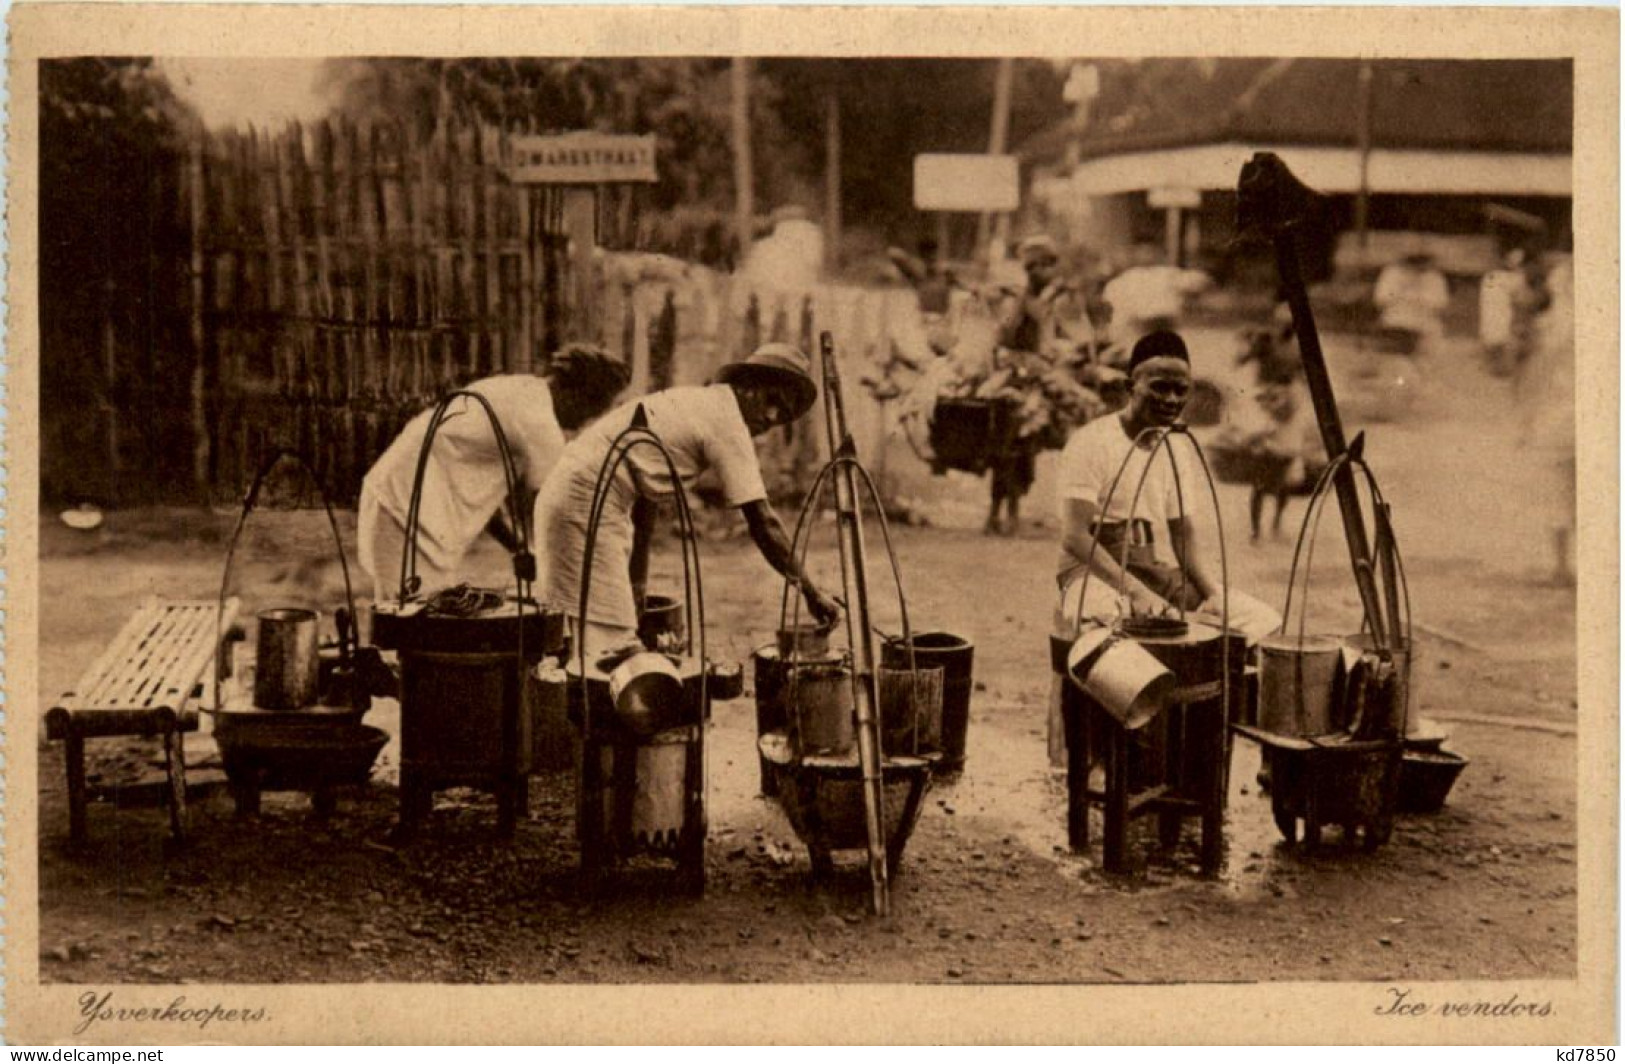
[1456, 105]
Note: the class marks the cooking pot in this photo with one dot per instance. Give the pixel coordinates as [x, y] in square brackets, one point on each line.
[660, 620]
[804, 642]
[1121, 676]
[647, 690]
[286, 666]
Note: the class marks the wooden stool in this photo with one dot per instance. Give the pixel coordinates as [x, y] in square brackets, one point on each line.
[143, 684]
[1175, 767]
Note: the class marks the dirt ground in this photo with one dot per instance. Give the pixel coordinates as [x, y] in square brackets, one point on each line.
[1484, 889]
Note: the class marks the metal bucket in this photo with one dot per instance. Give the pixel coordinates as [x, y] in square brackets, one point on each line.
[818, 702]
[287, 665]
[804, 642]
[954, 655]
[910, 711]
[660, 621]
[647, 690]
[1297, 684]
[1121, 676]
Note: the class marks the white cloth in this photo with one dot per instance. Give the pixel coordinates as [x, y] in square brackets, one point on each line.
[1496, 297]
[1143, 294]
[1090, 462]
[1412, 298]
[464, 482]
[1088, 465]
[702, 428]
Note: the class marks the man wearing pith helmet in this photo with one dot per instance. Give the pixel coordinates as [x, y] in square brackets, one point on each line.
[703, 428]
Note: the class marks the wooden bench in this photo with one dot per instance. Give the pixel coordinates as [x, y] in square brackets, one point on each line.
[143, 684]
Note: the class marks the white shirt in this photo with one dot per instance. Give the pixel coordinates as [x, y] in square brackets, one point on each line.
[701, 428]
[464, 482]
[1497, 291]
[1411, 297]
[1090, 463]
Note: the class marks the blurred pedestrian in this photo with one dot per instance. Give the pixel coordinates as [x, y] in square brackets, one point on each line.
[1548, 412]
[1411, 296]
[1500, 291]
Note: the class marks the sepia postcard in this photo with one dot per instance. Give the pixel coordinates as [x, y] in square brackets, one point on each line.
[811, 525]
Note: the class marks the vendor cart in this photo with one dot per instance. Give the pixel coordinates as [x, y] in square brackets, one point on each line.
[465, 658]
[1337, 756]
[642, 712]
[1150, 697]
[291, 720]
[852, 759]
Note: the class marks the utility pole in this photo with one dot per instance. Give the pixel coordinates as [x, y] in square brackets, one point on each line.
[744, 171]
[1362, 134]
[1003, 81]
[832, 179]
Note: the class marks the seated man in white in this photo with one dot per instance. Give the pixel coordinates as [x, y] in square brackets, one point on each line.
[1132, 495]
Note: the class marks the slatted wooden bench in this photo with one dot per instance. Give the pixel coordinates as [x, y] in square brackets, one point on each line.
[144, 684]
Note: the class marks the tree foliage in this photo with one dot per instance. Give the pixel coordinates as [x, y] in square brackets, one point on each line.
[112, 247]
[892, 109]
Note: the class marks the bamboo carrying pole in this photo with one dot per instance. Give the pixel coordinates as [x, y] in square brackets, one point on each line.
[854, 578]
[1271, 200]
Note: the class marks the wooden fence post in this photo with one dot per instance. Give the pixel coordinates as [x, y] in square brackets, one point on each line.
[663, 343]
[202, 448]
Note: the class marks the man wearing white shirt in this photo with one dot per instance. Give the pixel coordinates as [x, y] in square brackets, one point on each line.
[704, 428]
[464, 481]
[1127, 488]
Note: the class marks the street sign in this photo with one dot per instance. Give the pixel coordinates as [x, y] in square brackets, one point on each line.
[1172, 196]
[973, 183]
[582, 158]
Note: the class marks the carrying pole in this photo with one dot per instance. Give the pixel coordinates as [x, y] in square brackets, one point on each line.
[854, 577]
[1271, 201]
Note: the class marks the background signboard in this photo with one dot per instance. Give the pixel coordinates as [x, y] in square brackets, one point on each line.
[583, 158]
[966, 183]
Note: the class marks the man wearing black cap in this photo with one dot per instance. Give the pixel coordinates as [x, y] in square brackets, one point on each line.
[703, 428]
[1140, 521]
[1127, 489]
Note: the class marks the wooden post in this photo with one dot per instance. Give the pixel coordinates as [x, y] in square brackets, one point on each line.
[1003, 80]
[201, 430]
[110, 407]
[1362, 138]
[580, 226]
[1173, 231]
[744, 171]
[528, 248]
[832, 181]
